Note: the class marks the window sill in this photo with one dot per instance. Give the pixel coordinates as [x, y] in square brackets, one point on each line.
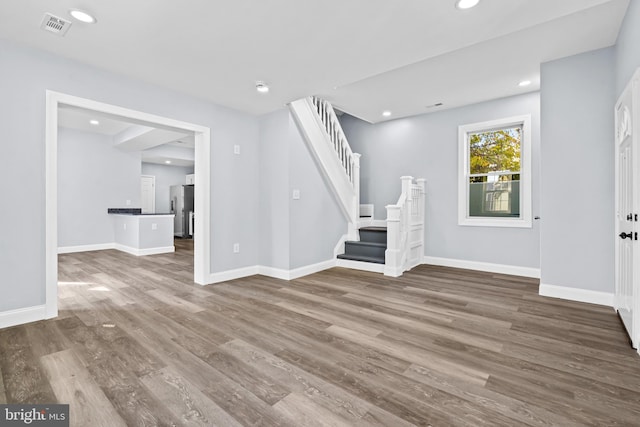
[495, 222]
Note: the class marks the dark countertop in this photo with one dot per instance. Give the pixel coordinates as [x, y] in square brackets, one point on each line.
[133, 212]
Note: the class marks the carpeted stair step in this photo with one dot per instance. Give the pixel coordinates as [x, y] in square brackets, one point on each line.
[373, 234]
[376, 260]
[369, 249]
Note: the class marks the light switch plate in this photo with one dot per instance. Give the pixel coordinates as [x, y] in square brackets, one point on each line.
[296, 194]
[236, 149]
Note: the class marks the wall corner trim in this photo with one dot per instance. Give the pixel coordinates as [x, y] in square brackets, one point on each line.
[484, 266]
[576, 294]
[22, 315]
[276, 273]
[237, 273]
[297, 272]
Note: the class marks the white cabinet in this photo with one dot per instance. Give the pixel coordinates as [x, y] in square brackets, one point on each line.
[191, 179]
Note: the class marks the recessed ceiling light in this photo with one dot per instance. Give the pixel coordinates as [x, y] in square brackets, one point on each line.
[168, 162]
[386, 113]
[94, 122]
[82, 16]
[524, 83]
[262, 87]
[466, 4]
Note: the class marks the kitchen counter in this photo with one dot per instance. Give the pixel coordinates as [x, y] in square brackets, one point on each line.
[142, 234]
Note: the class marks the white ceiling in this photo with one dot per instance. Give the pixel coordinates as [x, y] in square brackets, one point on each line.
[79, 119]
[364, 55]
[128, 136]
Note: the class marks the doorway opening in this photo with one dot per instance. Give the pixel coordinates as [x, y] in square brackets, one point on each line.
[202, 173]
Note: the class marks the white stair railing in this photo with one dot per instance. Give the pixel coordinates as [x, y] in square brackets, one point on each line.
[337, 137]
[405, 228]
[319, 124]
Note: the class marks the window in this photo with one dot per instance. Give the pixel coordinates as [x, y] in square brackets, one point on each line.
[495, 173]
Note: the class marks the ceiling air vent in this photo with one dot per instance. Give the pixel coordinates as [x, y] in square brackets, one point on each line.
[55, 25]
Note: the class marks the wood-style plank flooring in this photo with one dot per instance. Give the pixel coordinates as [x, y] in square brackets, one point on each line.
[138, 344]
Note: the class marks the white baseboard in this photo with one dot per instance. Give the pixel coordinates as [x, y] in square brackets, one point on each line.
[238, 273]
[484, 266]
[85, 248]
[575, 294]
[123, 248]
[276, 273]
[144, 252]
[279, 273]
[22, 316]
[358, 265]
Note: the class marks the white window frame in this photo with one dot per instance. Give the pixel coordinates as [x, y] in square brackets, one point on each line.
[524, 221]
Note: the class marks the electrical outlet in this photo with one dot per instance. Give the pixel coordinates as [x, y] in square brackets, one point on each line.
[236, 248]
[128, 202]
[296, 194]
[236, 149]
[154, 226]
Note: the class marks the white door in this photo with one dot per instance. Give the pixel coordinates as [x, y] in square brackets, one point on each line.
[627, 212]
[148, 193]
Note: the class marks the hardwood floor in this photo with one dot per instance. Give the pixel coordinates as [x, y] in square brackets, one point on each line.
[138, 344]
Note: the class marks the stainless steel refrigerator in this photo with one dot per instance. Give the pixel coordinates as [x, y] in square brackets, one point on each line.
[182, 207]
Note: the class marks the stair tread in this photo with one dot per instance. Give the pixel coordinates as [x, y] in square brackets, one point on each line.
[361, 243]
[379, 229]
[375, 260]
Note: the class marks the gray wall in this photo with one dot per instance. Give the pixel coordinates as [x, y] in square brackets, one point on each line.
[166, 176]
[274, 190]
[577, 236]
[315, 220]
[293, 233]
[25, 75]
[426, 146]
[627, 51]
[92, 176]
[578, 97]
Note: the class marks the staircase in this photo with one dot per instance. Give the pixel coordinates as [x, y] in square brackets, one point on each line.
[370, 248]
[364, 247]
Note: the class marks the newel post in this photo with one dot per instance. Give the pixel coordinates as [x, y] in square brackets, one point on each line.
[406, 185]
[422, 183]
[355, 176]
[356, 182]
[393, 255]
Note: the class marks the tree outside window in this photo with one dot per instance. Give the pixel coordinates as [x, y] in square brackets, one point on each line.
[495, 183]
[494, 173]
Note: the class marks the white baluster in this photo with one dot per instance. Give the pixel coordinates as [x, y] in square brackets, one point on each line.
[393, 253]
